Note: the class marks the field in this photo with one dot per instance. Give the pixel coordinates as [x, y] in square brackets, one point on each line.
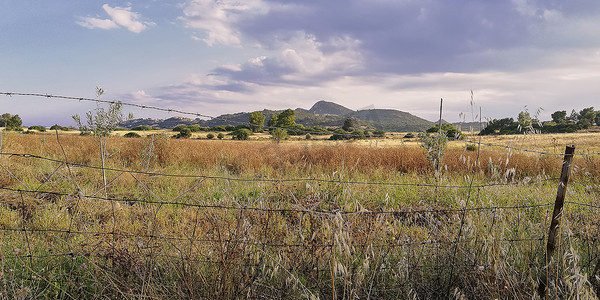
[206, 219]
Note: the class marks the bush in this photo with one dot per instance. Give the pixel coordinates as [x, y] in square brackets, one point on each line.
[409, 135]
[218, 128]
[58, 127]
[142, 128]
[132, 135]
[38, 128]
[180, 128]
[378, 133]
[220, 136]
[210, 136]
[279, 134]
[241, 134]
[195, 127]
[340, 134]
[471, 147]
[448, 130]
[308, 136]
[184, 134]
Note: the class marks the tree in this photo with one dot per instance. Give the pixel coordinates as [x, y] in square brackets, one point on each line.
[11, 122]
[101, 123]
[184, 133]
[4, 119]
[502, 126]
[597, 120]
[525, 122]
[279, 134]
[348, 124]
[449, 130]
[587, 118]
[285, 119]
[257, 119]
[241, 134]
[559, 117]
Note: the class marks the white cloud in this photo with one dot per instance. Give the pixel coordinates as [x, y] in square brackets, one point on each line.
[119, 17]
[218, 17]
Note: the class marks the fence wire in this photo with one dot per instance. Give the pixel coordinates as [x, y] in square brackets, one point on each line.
[231, 237]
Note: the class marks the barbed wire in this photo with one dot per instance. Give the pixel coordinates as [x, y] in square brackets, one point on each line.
[248, 124]
[286, 210]
[277, 180]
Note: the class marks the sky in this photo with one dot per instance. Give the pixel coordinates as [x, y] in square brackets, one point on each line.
[224, 56]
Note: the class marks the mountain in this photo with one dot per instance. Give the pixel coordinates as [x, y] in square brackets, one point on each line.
[392, 120]
[322, 113]
[329, 108]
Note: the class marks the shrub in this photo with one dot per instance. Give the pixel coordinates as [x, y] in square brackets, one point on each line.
[409, 135]
[220, 136]
[184, 134]
[195, 127]
[279, 134]
[180, 128]
[340, 134]
[38, 128]
[471, 147]
[378, 133]
[434, 146]
[132, 135]
[210, 136]
[241, 134]
[142, 128]
[58, 127]
[308, 136]
[448, 130]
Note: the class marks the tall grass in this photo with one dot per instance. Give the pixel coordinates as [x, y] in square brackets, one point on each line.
[369, 227]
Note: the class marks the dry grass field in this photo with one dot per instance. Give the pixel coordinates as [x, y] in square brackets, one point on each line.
[206, 219]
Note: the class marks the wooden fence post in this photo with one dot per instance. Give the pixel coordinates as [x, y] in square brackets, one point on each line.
[556, 214]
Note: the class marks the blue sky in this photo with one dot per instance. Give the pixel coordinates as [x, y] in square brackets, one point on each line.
[225, 56]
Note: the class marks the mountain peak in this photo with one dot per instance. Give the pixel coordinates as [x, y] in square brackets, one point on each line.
[329, 108]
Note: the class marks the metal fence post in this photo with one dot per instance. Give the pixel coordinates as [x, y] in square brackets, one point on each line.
[556, 214]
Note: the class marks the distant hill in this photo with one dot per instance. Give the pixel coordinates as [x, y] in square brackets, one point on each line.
[322, 113]
[392, 120]
[329, 108]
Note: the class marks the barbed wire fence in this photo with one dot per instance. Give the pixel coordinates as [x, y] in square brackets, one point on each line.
[230, 236]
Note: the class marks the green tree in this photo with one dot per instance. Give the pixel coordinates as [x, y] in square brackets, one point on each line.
[449, 130]
[597, 120]
[11, 122]
[4, 119]
[348, 124]
[559, 117]
[184, 133]
[285, 119]
[257, 119]
[524, 120]
[435, 146]
[587, 118]
[241, 134]
[101, 123]
[279, 134]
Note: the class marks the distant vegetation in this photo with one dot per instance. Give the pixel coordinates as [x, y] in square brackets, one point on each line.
[11, 122]
[561, 123]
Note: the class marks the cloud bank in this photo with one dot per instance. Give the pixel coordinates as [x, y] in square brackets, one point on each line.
[394, 54]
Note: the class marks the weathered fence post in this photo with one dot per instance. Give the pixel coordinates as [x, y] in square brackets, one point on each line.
[556, 214]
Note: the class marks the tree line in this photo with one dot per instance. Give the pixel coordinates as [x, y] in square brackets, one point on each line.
[561, 123]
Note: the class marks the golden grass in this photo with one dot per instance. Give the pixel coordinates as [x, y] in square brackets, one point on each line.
[219, 237]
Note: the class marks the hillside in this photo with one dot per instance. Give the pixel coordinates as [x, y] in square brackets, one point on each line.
[322, 113]
[329, 108]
